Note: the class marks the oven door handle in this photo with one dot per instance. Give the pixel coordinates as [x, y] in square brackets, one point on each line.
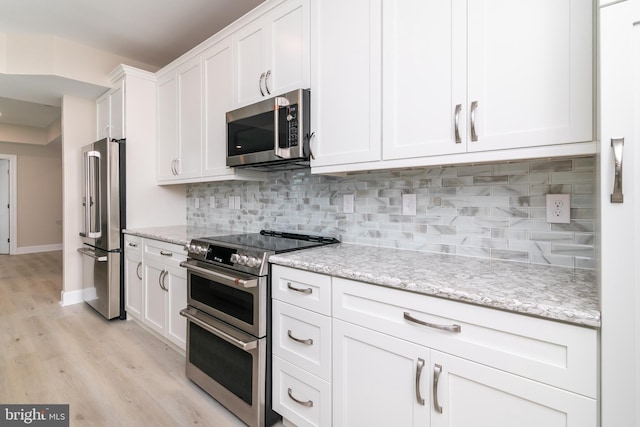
[225, 279]
[246, 346]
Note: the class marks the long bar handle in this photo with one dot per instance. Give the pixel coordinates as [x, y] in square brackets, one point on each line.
[419, 368]
[302, 291]
[308, 403]
[474, 107]
[616, 145]
[437, 370]
[138, 270]
[246, 346]
[449, 328]
[91, 253]
[308, 341]
[220, 277]
[456, 120]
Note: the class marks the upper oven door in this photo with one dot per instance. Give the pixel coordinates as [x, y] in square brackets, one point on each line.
[236, 298]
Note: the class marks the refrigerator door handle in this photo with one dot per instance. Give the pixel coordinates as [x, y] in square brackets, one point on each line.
[91, 199]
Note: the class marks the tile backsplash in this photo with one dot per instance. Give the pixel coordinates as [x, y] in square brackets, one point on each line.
[492, 211]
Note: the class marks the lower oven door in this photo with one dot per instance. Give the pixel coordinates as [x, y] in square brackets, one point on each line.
[228, 364]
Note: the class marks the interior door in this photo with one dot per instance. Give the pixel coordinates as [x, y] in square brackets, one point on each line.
[4, 206]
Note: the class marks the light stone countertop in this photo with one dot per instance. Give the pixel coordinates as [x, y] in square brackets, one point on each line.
[177, 234]
[556, 293]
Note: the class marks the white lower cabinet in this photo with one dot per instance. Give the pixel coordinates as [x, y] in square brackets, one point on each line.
[378, 380]
[470, 394]
[156, 288]
[403, 359]
[133, 276]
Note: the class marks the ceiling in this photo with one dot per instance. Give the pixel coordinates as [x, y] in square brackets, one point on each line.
[154, 32]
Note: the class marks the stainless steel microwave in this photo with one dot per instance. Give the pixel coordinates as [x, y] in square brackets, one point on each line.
[270, 134]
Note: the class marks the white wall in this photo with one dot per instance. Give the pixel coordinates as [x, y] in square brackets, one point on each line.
[78, 129]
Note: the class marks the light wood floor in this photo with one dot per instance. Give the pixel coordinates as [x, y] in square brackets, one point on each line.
[111, 373]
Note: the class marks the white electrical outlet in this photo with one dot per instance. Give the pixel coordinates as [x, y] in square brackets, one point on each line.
[212, 202]
[197, 202]
[232, 202]
[348, 203]
[559, 208]
[408, 204]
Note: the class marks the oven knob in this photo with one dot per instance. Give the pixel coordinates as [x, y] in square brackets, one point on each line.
[243, 259]
[199, 250]
[235, 258]
[253, 262]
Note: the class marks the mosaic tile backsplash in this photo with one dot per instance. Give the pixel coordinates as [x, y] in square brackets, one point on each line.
[495, 211]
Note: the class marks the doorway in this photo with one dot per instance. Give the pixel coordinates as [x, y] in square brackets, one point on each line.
[8, 164]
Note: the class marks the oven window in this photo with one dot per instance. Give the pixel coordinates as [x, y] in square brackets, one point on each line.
[231, 301]
[251, 135]
[225, 363]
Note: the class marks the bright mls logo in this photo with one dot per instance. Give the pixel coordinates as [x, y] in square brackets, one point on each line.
[36, 415]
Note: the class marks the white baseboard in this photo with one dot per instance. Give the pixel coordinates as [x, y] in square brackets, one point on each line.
[34, 249]
[71, 297]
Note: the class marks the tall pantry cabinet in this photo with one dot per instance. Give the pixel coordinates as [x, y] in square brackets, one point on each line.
[620, 211]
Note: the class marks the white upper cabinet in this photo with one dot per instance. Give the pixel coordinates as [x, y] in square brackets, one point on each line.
[271, 54]
[424, 78]
[345, 87]
[180, 122]
[425, 82]
[110, 113]
[530, 65]
[217, 101]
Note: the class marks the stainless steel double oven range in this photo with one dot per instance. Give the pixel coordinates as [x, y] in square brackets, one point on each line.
[228, 318]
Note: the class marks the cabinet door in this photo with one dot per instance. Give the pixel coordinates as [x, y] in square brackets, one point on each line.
[424, 78]
[217, 101]
[155, 297]
[133, 285]
[530, 68]
[176, 282]
[288, 60]
[250, 50]
[167, 138]
[470, 394]
[102, 116]
[346, 82]
[377, 379]
[116, 112]
[189, 81]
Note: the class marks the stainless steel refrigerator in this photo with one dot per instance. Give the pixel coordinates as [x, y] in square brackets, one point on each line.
[103, 219]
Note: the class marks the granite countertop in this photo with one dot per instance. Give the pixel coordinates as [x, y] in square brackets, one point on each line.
[178, 234]
[556, 293]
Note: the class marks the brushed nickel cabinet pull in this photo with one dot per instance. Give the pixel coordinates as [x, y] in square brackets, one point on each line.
[266, 82]
[448, 328]
[308, 341]
[133, 245]
[457, 123]
[302, 291]
[161, 280]
[260, 84]
[138, 270]
[616, 145]
[437, 370]
[166, 253]
[419, 368]
[308, 403]
[474, 107]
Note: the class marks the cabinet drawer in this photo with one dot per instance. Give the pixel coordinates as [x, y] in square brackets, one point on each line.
[132, 245]
[303, 338]
[302, 398]
[553, 353]
[302, 288]
[171, 255]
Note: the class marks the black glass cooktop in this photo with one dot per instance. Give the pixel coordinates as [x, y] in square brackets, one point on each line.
[270, 241]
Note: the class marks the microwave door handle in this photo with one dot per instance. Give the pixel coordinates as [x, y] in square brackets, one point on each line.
[279, 102]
